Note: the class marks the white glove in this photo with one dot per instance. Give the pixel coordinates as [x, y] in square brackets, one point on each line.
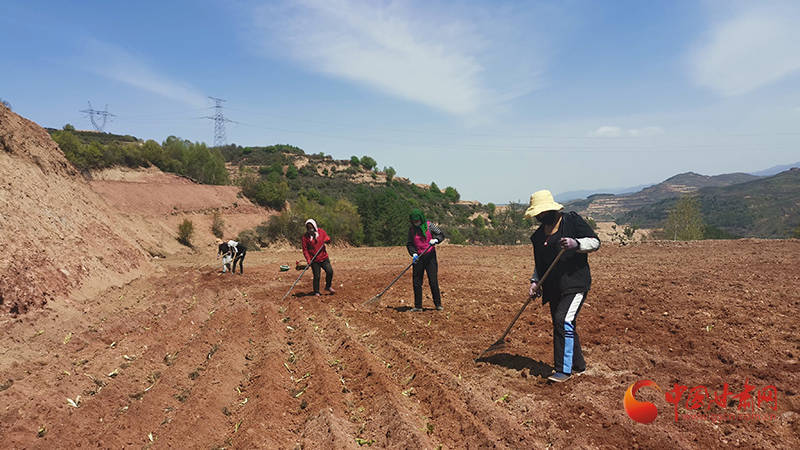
[433, 241]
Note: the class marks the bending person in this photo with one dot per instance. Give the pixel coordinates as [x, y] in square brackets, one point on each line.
[238, 252]
[225, 251]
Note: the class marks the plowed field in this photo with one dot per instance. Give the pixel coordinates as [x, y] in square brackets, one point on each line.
[188, 357]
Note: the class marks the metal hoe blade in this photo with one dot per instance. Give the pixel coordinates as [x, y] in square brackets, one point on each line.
[500, 343]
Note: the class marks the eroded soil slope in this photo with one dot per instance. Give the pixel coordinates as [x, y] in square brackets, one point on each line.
[56, 234]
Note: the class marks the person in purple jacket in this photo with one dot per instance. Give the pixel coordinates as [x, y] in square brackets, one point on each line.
[423, 235]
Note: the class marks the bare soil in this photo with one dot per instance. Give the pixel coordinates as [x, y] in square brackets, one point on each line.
[189, 357]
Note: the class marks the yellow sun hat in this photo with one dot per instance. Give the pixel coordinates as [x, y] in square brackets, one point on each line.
[542, 201]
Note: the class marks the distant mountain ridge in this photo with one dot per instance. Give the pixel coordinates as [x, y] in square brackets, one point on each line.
[774, 170]
[764, 207]
[568, 196]
[612, 207]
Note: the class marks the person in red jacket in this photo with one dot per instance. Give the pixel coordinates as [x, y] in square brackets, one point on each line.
[314, 240]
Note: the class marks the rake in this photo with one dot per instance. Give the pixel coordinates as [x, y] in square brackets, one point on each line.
[301, 273]
[378, 297]
[500, 343]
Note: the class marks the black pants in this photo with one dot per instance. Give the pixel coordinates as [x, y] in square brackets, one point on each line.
[426, 263]
[315, 269]
[567, 355]
[240, 259]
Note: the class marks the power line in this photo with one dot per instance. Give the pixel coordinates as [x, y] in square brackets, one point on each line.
[611, 147]
[96, 116]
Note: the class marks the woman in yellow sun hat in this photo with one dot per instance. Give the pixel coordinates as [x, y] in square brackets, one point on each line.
[568, 284]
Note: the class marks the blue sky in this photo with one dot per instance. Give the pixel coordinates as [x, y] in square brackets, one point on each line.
[496, 98]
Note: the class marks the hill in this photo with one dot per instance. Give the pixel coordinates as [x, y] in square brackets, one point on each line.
[613, 207]
[87, 136]
[339, 191]
[57, 234]
[764, 207]
[352, 198]
[774, 170]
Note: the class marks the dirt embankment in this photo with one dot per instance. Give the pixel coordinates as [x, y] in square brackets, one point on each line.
[66, 236]
[158, 202]
[191, 358]
[57, 234]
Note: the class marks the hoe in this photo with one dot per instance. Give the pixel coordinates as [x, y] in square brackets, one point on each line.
[378, 297]
[500, 343]
[301, 273]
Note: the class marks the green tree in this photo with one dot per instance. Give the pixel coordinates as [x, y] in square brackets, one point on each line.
[384, 215]
[390, 173]
[268, 193]
[354, 161]
[368, 163]
[685, 222]
[291, 172]
[452, 194]
[69, 127]
[434, 188]
[455, 237]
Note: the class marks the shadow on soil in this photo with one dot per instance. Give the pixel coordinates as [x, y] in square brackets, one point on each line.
[516, 362]
[408, 308]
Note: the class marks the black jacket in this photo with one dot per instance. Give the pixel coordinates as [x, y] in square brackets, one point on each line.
[571, 275]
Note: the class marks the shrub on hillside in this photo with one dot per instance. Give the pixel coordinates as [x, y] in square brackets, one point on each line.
[249, 239]
[267, 193]
[455, 236]
[185, 232]
[452, 194]
[339, 219]
[217, 225]
[623, 236]
[390, 173]
[194, 160]
[368, 163]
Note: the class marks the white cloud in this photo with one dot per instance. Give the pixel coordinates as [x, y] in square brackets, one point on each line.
[752, 48]
[453, 59]
[115, 63]
[608, 131]
[614, 131]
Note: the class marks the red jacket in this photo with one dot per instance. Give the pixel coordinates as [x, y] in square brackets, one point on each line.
[312, 244]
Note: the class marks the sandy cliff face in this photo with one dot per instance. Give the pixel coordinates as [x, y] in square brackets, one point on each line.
[56, 234]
